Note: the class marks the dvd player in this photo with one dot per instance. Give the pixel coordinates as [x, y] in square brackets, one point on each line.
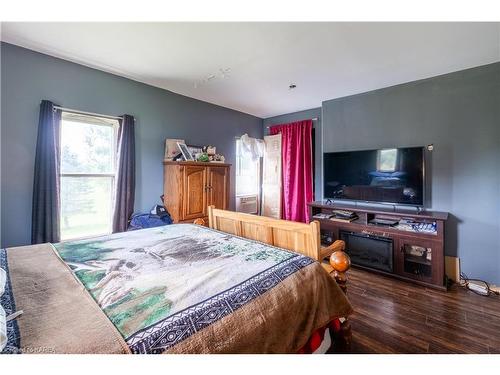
[383, 221]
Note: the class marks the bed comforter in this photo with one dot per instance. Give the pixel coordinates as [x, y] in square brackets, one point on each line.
[174, 289]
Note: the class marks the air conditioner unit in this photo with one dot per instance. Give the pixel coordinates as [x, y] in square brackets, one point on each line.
[248, 204]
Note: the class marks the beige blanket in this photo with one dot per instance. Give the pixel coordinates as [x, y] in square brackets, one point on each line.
[279, 321]
[60, 316]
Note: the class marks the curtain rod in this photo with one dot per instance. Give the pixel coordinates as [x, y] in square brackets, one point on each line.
[313, 119]
[87, 113]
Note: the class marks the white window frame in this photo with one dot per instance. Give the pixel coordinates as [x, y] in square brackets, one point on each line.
[101, 121]
[237, 173]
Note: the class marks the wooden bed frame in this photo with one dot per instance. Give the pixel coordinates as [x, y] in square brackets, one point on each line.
[299, 237]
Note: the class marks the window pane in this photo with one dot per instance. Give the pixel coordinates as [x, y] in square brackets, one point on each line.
[85, 206]
[86, 148]
[247, 172]
[387, 160]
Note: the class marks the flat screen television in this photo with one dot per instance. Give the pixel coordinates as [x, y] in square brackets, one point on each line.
[394, 176]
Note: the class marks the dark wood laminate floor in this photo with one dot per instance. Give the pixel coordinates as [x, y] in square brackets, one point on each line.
[393, 316]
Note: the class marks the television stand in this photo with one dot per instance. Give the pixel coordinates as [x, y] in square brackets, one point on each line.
[405, 244]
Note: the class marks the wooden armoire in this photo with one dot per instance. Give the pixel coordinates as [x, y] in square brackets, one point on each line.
[189, 187]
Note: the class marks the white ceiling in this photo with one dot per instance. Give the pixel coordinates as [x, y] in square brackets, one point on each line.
[253, 64]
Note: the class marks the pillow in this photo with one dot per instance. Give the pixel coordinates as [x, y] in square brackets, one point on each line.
[387, 174]
[389, 182]
[3, 280]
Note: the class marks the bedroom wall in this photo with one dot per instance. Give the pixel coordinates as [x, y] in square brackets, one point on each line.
[297, 116]
[27, 77]
[460, 114]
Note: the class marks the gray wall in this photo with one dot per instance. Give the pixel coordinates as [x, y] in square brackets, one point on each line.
[460, 114]
[304, 115]
[27, 77]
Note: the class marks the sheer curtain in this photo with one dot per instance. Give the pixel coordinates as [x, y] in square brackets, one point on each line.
[45, 216]
[297, 180]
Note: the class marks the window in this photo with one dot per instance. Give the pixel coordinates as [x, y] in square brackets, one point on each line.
[247, 172]
[88, 168]
[387, 160]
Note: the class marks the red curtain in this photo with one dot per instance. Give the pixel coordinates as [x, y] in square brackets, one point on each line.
[297, 180]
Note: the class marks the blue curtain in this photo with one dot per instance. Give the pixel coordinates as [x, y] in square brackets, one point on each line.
[125, 179]
[46, 190]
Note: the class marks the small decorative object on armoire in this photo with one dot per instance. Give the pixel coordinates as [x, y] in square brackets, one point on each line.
[189, 187]
[171, 149]
[217, 158]
[203, 157]
[209, 150]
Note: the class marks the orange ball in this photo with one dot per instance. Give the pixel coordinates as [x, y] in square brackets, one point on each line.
[340, 261]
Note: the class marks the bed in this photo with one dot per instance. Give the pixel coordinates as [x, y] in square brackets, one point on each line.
[246, 284]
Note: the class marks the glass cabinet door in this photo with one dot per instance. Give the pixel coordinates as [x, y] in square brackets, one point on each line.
[417, 259]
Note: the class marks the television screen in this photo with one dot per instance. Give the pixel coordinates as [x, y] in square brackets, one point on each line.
[394, 175]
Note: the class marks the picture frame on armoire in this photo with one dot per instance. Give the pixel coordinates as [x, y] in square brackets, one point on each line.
[171, 148]
[195, 151]
[185, 151]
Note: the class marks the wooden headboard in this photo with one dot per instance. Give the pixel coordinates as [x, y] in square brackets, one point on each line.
[298, 237]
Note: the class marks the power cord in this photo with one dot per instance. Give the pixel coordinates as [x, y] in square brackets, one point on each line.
[475, 286]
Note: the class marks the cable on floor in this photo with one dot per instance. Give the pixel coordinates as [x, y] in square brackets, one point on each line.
[477, 286]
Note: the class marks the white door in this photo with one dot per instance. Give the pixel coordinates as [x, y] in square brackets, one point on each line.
[271, 186]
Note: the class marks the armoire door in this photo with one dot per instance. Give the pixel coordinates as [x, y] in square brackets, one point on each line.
[218, 186]
[195, 195]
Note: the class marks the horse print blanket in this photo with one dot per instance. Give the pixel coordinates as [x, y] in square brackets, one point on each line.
[186, 288]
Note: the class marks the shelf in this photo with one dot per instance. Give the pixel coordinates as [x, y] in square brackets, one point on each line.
[433, 215]
[418, 260]
[375, 229]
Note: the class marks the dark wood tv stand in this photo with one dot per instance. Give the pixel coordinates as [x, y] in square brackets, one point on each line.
[417, 256]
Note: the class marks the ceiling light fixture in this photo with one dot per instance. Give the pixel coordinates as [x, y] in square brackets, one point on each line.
[222, 73]
[292, 86]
